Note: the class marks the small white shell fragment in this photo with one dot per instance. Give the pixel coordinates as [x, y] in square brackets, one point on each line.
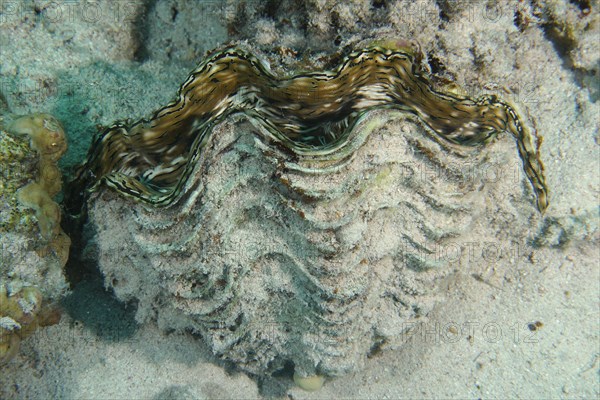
[309, 383]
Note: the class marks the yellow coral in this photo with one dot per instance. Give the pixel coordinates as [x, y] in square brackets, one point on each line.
[47, 211]
[48, 139]
[9, 345]
[59, 245]
[21, 313]
[46, 133]
[50, 177]
[21, 306]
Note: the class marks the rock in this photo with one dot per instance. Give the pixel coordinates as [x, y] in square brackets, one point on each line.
[33, 248]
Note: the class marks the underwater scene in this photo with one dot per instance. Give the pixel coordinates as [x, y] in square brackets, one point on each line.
[299, 199]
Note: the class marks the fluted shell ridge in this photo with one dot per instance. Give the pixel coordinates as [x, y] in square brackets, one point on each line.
[274, 258]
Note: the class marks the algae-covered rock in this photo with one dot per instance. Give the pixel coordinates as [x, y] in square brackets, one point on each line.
[33, 247]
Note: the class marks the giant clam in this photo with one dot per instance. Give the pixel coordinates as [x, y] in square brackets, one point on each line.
[299, 220]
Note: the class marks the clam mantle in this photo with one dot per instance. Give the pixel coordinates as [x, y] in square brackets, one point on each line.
[311, 115]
